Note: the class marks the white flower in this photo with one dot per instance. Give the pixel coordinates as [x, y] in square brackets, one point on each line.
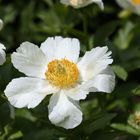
[132, 5]
[1, 24]
[55, 68]
[2, 54]
[82, 3]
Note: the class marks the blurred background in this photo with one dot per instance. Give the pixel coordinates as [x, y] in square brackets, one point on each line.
[114, 116]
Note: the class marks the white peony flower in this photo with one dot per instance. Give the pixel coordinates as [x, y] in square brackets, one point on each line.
[82, 3]
[2, 54]
[132, 5]
[55, 68]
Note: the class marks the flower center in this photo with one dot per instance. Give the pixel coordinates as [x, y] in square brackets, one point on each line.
[136, 2]
[62, 73]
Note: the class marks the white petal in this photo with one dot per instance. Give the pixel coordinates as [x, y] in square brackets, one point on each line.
[2, 54]
[103, 82]
[82, 3]
[66, 2]
[76, 93]
[64, 112]
[27, 92]
[58, 48]
[137, 10]
[124, 3]
[94, 62]
[30, 60]
[128, 4]
[100, 3]
[1, 24]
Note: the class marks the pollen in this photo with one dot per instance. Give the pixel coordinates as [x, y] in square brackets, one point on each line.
[62, 73]
[136, 2]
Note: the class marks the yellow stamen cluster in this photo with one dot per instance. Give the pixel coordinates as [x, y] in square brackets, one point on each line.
[136, 2]
[62, 73]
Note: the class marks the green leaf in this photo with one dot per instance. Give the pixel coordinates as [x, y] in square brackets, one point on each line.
[2, 99]
[104, 32]
[99, 123]
[25, 114]
[125, 36]
[16, 135]
[126, 128]
[136, 91]
[120, 72]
